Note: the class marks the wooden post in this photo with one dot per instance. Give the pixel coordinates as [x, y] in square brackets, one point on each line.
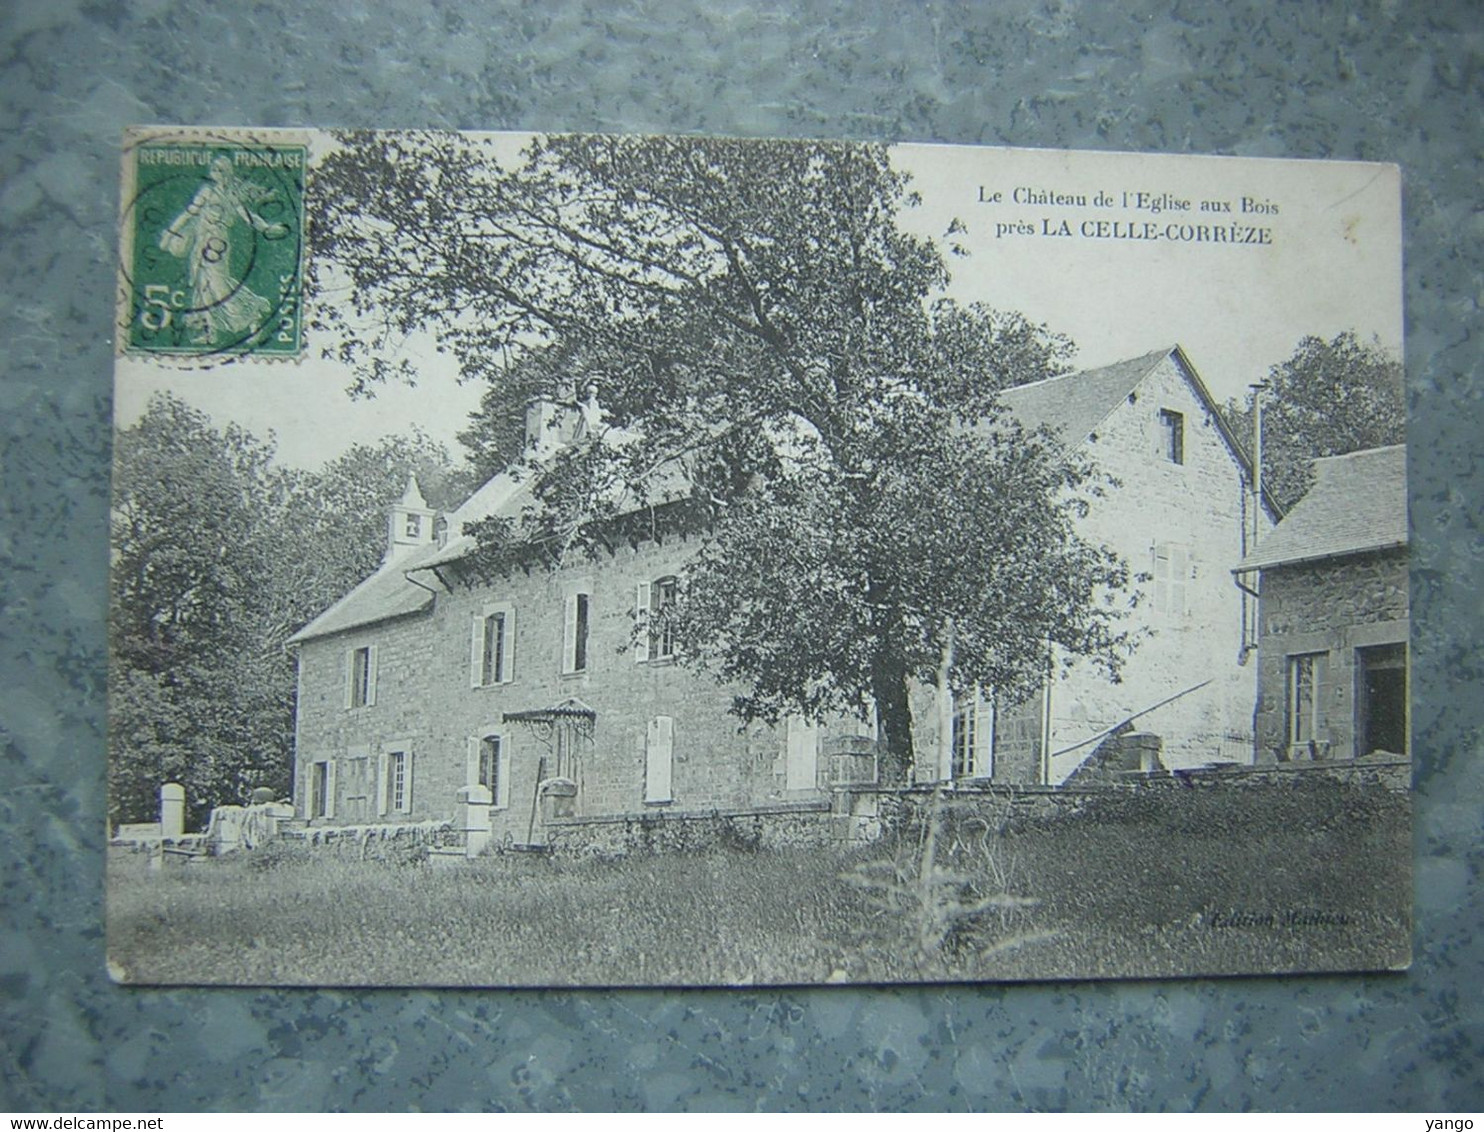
[945, 705]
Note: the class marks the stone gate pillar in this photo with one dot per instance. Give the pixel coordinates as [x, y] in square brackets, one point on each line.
[172, 810]
[474, 818]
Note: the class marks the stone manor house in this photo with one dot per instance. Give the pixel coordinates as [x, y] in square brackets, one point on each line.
[418, 691]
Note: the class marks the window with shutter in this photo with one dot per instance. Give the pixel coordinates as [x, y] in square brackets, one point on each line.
[489, 764]
[662, 601]
[654, 637]
[577, 621]
[362, 677]
[492, 646]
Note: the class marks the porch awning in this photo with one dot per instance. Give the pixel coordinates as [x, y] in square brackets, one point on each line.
[566, 710]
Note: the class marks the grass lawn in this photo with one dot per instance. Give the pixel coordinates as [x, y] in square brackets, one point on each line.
[1283, 877]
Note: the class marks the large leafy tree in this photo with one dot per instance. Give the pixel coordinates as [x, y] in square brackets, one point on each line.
[193, 693]
[1328, 398]
[218, 555]
[754, 324]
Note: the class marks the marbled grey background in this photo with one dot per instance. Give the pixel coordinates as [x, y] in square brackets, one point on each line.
[1388, 81]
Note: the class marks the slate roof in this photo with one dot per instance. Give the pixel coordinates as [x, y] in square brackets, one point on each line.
[1074, 404]
[1358, 503]
[387, 593]
[384, 595]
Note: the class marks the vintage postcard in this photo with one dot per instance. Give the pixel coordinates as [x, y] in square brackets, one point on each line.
[552, 560]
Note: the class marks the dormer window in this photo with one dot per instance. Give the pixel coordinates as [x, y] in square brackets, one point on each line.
[1172, 424]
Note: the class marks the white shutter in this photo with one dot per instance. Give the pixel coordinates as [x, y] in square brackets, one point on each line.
[476, 652]
[350, 678]
[383, 784]
[983, 737]
[801, 766]
[407, 782]
[471, 761]
[371, 676]
[569, 634]
[659, 751]
[641, 622]
[330, 788]
[502, 777]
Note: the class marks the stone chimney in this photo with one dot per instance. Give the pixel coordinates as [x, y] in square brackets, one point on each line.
[409, 523]
[551, 426]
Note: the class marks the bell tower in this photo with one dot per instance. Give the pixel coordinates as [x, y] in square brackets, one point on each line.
[409, 523]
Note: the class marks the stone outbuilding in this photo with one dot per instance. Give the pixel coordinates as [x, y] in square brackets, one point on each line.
[1333, 615]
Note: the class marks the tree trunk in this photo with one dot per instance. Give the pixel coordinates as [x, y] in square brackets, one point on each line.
[893, 708]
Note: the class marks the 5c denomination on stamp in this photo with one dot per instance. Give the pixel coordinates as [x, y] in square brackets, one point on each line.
[213, 245]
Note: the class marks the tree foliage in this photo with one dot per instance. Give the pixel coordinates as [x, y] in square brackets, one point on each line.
[755, 325]
[218, 556]
[1327, 399]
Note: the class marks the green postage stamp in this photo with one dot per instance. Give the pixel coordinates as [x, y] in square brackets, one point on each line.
[213, 234]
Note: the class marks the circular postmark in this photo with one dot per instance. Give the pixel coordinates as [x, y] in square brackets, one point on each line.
[213, 255]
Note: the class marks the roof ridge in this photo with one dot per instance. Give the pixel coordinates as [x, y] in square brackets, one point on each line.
[1360, 452]
[1162, 353]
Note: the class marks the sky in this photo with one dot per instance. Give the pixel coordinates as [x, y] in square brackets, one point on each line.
[1317, 251]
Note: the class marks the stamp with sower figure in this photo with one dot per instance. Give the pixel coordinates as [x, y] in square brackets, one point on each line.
[213, 255]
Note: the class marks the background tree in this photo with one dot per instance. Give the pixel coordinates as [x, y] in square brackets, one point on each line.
[191, 693]
[219, 555]
[754, 324]
[1329, 398]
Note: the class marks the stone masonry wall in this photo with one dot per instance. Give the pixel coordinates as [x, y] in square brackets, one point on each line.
[1336, 607]
[426, 705]
[1199, 506]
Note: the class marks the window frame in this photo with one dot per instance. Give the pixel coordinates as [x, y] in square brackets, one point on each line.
[1306, 683]
[480, 668]
[972, 738]
[360, 681]
[577, 629]
[655, 643]
[1172, 424]
[321, 800]
[475, 771]
[395, 756]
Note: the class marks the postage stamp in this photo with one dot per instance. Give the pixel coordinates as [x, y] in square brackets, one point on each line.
[213, 255]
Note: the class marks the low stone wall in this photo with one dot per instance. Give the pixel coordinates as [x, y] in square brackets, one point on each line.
[991, 800]
[668, 831]
[1389, 773]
